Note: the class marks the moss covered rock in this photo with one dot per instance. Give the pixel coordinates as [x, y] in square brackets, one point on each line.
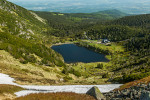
[95, 92]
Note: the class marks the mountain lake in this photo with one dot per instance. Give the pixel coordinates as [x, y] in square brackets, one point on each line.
[73, 54]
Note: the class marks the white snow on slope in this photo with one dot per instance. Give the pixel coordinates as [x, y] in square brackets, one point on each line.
[66, 88]
[5, 79]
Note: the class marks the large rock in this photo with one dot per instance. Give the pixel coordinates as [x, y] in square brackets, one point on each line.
[95, 92]
[145, 96]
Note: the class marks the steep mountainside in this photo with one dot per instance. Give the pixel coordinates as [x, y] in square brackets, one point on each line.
[20, 31]
[19, 20]
[22, 36]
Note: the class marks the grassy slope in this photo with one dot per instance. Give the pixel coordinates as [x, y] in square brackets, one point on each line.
[19, 21]
[56, 96]
[145, 80]
[37, 74]
[21, 35]
[7, 91]
[28, 73]
[31, 73]
[114, 53]
[125, 65]
[89, 71]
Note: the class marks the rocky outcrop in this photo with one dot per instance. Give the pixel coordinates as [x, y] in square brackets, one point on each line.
[95, 92]
[140, 92]
[145, 96]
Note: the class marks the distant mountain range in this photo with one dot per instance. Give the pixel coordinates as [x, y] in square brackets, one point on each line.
[113, 13]
[88, 6]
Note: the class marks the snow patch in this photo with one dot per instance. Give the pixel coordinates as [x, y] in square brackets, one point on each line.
[6, 79]
[72, 88]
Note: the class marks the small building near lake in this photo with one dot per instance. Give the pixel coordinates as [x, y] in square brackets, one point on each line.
[105, 41]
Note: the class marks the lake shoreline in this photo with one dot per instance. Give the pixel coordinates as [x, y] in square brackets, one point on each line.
[72, 53]
[57, 44]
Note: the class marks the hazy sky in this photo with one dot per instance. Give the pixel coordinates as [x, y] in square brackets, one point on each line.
[135, 1]
[82, 1]
[129, 6]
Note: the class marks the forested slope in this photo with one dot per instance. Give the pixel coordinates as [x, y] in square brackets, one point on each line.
[133, 34]
[138, 46]
[21, 35]
[25, 52]
[73, 24]
[135, 21]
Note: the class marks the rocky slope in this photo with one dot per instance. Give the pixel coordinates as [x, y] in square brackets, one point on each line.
[135, 90]
[139, 92]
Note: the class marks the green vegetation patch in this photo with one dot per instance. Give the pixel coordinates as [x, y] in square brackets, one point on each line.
[24, 50]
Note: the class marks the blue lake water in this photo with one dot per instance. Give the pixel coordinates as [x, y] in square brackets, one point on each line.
[73, 53]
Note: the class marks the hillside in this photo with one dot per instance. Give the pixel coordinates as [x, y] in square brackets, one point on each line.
[114, 13]
[70, 24]
[132, 33]
[21, 34]
[137, 66]
[18, 20]
[134, 21]
[23, 39]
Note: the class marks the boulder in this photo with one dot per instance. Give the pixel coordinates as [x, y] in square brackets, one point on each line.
[95, 92]
[145, 96]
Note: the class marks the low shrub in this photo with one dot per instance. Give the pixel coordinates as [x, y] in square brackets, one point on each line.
[106, 75]
[100, 66]
[67, 78]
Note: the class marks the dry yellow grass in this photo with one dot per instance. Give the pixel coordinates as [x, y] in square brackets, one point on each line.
[56, 96]
[145, 80]
[7, 91]
[28, 73]
[4, 88]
